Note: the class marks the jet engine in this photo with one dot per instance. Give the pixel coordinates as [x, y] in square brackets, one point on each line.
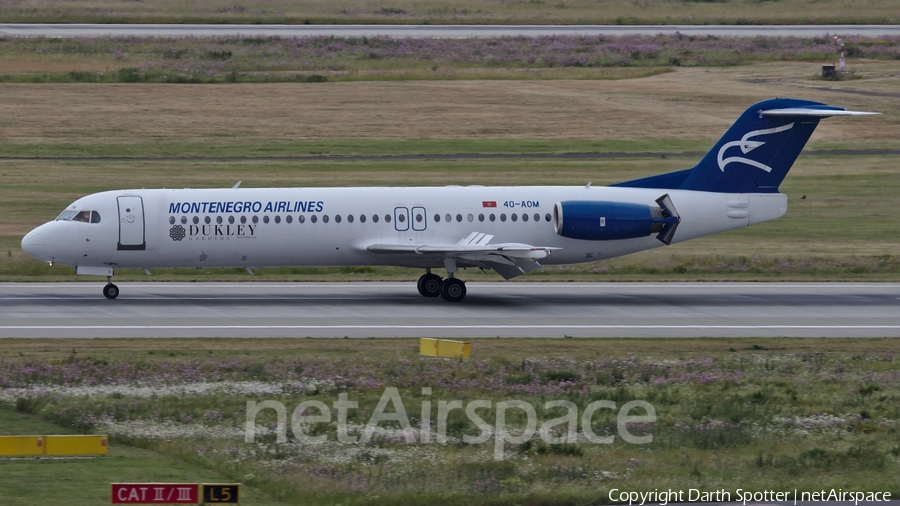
[593, 220]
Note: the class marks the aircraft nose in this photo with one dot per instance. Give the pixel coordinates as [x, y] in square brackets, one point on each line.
[35, 244]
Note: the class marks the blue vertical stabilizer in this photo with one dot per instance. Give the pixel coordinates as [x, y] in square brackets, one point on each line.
[755, 154]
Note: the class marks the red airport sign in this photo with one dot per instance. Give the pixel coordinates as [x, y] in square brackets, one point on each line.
[155, 493]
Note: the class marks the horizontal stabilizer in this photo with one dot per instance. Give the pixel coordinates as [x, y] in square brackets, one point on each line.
[813, 113]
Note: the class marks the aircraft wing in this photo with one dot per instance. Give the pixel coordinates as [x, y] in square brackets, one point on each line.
[508, 259]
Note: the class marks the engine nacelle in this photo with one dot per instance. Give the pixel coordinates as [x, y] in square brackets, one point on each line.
[593, 220]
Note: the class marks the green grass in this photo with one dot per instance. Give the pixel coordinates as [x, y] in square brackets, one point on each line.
[83, 482]
[457, 12]
[237, 147]
[719, 403]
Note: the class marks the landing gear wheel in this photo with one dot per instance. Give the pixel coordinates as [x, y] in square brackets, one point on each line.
[110, 291]
[429, 285]
[453, 290]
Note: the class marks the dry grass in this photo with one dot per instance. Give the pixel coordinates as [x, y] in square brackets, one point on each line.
[673, 105]
[455, 11]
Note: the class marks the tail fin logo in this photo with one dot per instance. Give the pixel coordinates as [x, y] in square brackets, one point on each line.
[747, 146]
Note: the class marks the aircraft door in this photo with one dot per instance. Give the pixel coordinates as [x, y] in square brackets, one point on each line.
[401, 219]
[131, 223]
[419, 218]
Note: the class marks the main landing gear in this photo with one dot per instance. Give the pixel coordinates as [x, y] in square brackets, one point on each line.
[450, 289]
[110, 291]
[430, 285]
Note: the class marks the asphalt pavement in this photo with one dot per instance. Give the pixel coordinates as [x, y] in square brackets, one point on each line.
[491, 309]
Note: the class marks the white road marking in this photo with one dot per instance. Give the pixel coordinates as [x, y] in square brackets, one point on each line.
[440, 327]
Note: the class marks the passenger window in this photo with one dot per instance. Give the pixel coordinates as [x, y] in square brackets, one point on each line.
[196, 220]
[324, 218]
[402, 218]
[547, 217]
[492, 217]
[480, 217]
[337, 218]
[184, 220]
[243, 219]
[255, 219]
[449, 218]
[470, 218]
[419, 218]
[207, 220]
[265, 219]
[524, 217]
[387, 218]
[95, 217]
[277, 219]
[219, 220]
[313, 218]
[514, 217]
[375, 218]
[502, 216]
[349, 218]
[362, 218]
[171, 220]
[437, 218]
[288, 219]
[231, 220]
[301, 219]
[537, 217]
[459, 218]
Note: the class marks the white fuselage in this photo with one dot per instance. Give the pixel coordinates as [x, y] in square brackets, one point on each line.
[334, 226]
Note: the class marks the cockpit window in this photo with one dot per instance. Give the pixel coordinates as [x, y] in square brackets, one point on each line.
[66, 215]
[82, 216]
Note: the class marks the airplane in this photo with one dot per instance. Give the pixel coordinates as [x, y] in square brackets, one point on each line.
[511, 230]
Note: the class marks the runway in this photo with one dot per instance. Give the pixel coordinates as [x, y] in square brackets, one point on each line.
[360, 310]
[431, 31]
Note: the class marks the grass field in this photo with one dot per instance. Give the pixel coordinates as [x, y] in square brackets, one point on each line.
[241, 59]
[843, 229]
[85, 482]
[456, 12]
[731, 413]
